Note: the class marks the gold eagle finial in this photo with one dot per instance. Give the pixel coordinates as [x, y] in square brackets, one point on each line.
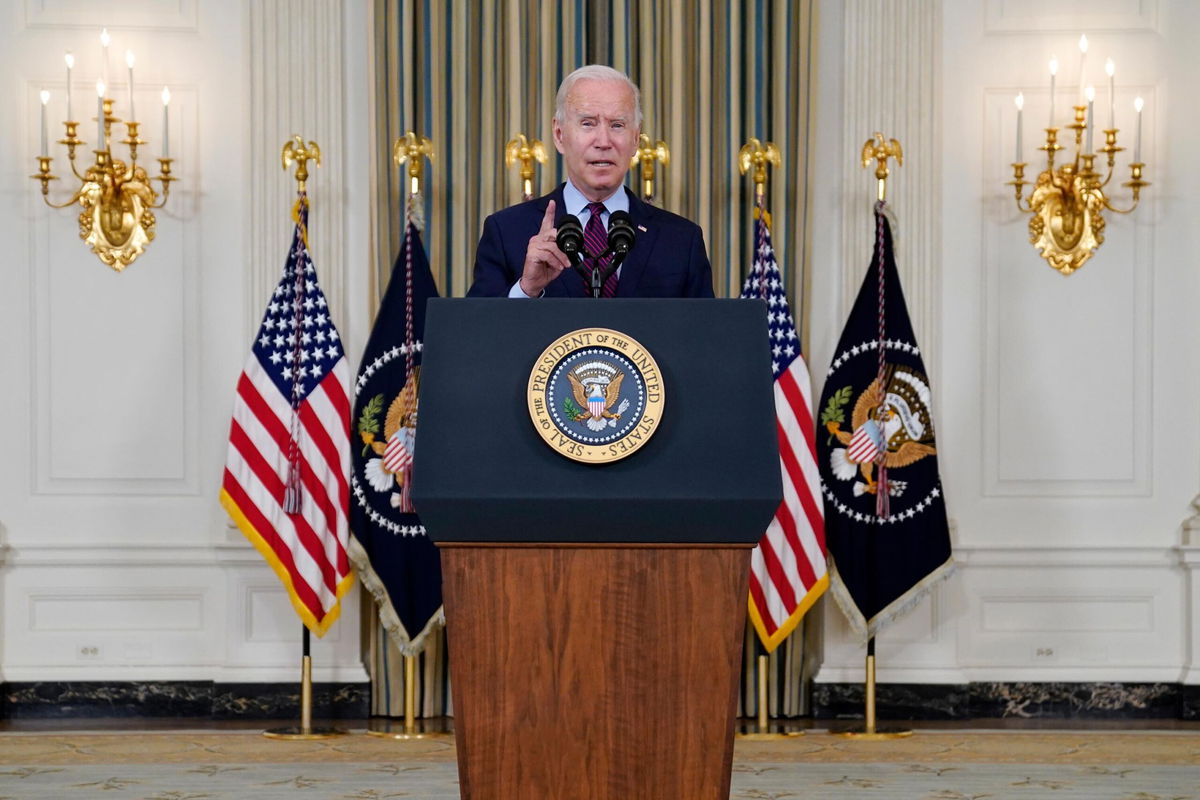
[296, 151]
[878, 150]
[648, 153]
[525, 151]
[410, 148]
[758, 155]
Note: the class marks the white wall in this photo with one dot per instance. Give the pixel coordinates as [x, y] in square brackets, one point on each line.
[1069, 431]
[114, 410]
[1067, 406]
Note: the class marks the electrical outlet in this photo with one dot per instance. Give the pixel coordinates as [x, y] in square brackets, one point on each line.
[88, 652]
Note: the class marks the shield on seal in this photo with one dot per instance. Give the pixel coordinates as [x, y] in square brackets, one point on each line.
[596, 399]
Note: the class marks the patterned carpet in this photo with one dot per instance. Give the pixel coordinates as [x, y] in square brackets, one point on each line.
[931, 765]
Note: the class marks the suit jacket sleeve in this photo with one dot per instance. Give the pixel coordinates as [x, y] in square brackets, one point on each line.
[700, 283]
[494, 276]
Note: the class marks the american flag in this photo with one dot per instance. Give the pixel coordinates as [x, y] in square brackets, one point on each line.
[287, 473]
[787, 568]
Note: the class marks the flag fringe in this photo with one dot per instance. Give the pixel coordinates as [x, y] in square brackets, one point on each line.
[867, 628]
[318, 626]
[408, 646]
[771, 641]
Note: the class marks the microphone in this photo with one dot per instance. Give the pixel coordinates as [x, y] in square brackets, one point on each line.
[570, 238]
[620, 233]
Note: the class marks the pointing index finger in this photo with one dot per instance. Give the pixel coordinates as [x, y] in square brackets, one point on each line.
[548, 218]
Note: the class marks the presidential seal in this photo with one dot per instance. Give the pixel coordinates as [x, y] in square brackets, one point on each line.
[595, 395]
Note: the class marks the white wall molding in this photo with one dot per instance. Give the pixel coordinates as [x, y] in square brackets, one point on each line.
[1189, 557]
[151, 15]
[1046, 557]
[296, 87]
[1036, 16]
[129, 554]
[162, 613]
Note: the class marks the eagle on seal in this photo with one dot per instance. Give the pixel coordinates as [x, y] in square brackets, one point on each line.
[597, 400]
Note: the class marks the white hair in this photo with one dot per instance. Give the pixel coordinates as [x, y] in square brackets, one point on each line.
[596, 72]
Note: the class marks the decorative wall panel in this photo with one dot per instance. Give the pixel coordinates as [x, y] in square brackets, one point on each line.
[1066, 401]
[1031, 16]
[162, 15]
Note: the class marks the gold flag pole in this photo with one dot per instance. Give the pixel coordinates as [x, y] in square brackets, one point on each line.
[524, 151]
[879, 150]
[385, 727]
[647, 154]
[412, 150]
[758, 155]
[300, 154]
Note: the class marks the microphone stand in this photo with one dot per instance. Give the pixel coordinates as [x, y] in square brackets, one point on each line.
[595, 277]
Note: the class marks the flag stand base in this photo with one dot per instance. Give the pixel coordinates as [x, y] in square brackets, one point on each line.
[304, 730]
[390, 729]
[763, 732]
[294, 732]
[386, 728]
[869, 732]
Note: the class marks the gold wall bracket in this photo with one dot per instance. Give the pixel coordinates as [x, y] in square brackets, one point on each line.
[1067, 202]
[117, 197]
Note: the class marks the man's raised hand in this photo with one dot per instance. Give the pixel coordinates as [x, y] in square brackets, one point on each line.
[543, 260]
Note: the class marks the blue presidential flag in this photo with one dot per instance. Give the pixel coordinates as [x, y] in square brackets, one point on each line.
[885, 515]
[395, 559]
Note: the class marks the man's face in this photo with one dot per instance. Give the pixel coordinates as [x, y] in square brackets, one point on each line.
[598, 135]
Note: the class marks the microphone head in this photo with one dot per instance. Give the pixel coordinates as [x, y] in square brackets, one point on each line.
[620, 232]
[570, 235]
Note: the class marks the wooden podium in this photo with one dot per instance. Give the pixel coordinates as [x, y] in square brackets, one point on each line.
[595, 612]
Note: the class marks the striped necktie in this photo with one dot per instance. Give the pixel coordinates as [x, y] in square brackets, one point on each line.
[595, 240]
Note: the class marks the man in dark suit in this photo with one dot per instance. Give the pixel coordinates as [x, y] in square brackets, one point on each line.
[597, 120]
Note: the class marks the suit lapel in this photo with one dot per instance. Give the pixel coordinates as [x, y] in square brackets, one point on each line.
[642, 215]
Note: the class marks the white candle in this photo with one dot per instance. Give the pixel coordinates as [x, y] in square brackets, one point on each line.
[1083, 48]
[105, 40]
[100, 143]
[1053, 72]
[1111, 69]
[45, 99]
[166, 98]
[1137, 147]
[129, 63]
[1090, 94]
[1019, 101]
[70, 59]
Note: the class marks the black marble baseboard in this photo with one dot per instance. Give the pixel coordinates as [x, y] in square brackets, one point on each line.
[1191, 703]
[1016, 700]
[198, 699]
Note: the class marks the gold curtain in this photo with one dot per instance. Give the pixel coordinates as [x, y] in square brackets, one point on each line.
[713, 73]
[470, 76]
